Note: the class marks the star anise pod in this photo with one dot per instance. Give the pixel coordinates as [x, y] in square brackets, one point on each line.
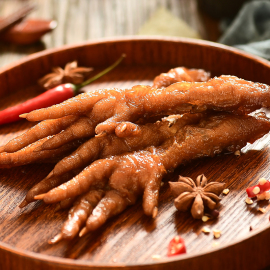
[195, 195]
[70, 74]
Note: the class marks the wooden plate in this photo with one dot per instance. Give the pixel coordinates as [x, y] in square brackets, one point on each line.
[131, 240]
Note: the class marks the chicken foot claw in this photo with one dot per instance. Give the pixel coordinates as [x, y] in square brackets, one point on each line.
[78, 215]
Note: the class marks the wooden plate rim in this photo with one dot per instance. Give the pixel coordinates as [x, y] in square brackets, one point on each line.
[66, 261]
[190, 41]
[70, 262]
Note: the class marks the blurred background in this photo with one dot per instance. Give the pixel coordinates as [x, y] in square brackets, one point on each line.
[53, 23]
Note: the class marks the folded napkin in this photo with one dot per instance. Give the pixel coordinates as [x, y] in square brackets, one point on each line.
[163, 22]
[250, 30]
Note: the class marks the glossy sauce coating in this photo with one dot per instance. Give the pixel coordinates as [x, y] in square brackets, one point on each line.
[216, 134]
[152, 134]
[39, 131]
[136, 174]
[124, 177]
[180, 74]
[28, 154]
[112, 106]
[78, 215]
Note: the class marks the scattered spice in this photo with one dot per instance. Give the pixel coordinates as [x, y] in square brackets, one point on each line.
[263, 196]
[262, 181]
[170, 119]
[264, 185]
[249, 201]
[215, 244]
[176, 246]
[206, 230]
[205, 218]
[256, 190]
[214, 213]
[250, 228]
[225, 191]
[217, 233]
[263, 210]
[70, 74]
[195, 195]
[156, 257]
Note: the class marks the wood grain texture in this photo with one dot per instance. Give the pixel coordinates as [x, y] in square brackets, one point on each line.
[131, 239]
[82, 20]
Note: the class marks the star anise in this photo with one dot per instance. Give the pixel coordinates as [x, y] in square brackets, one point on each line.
[70, 74]
[195, 195]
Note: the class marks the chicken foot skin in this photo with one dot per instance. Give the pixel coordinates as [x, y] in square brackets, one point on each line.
[136, 174]
[180, 74]
[28, 154]
[115, 201]
[102, 147]
[41, 130]
[76, 127]
[104, 110]
[78, 215]
[113, 106]
[152, 134]
[46, 185]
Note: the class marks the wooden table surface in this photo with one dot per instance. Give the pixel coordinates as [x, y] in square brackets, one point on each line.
[85, 20]
[89, 20]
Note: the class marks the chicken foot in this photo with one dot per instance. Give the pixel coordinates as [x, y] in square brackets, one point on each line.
[136, 174]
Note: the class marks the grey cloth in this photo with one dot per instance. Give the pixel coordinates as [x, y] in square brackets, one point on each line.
[250, 30]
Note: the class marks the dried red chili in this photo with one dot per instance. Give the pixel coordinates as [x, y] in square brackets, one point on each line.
[176, 246]
[258, 189]
[49, 98]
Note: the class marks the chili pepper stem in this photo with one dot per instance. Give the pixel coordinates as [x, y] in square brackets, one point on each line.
[100, 74]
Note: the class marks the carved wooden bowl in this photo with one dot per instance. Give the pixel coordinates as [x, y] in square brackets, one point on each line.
[131, 240]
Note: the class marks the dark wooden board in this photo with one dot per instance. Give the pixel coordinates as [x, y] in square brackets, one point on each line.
[131, 239]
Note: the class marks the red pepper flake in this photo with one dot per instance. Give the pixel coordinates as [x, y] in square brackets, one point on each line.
[263, 186]
[176, 246]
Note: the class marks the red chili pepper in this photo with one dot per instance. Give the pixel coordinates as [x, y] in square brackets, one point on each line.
[176, 246]
[51, 97]
[262, 188]
[46, 99]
